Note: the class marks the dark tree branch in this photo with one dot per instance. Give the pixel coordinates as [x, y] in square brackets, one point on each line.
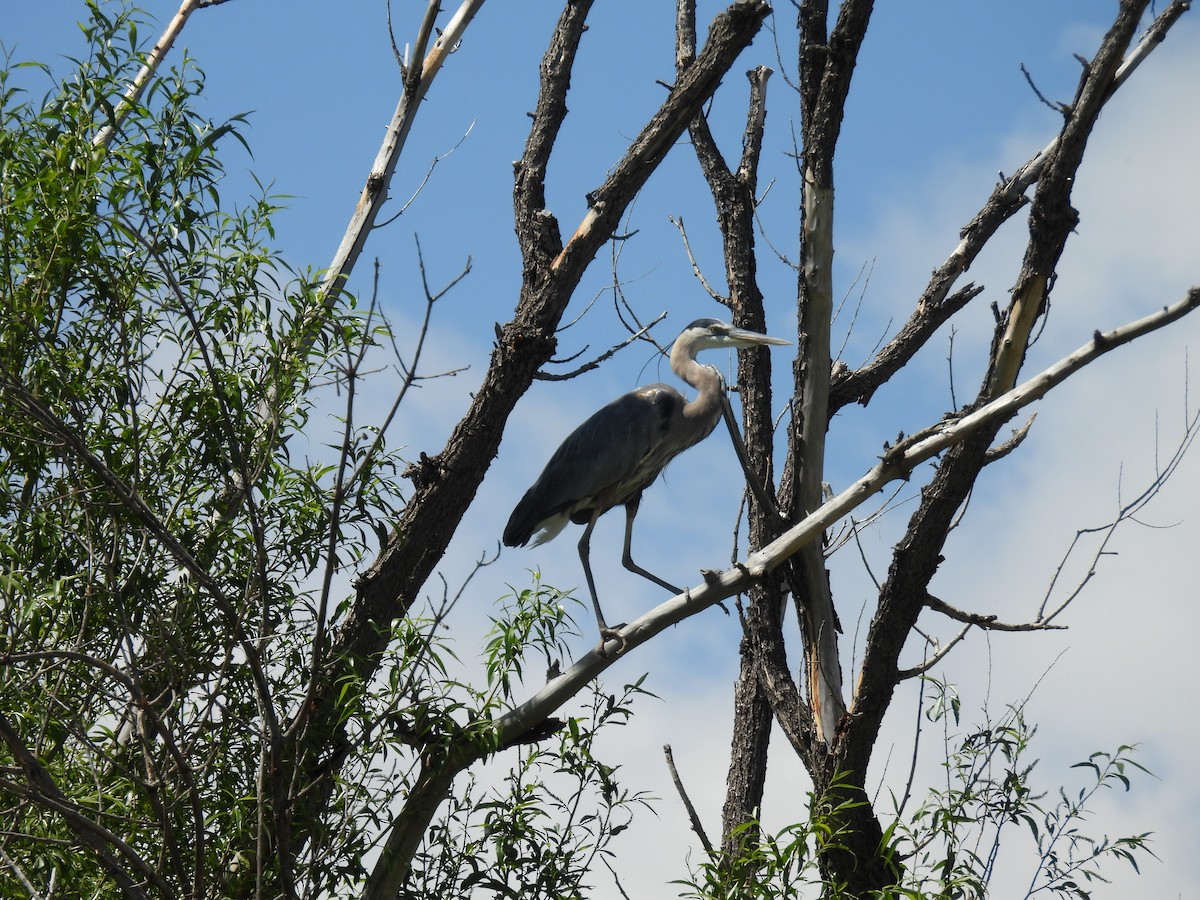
[987, 622]
[734, 197]
[552, 271]
[859, 385]
[918, 554]
[936, 304]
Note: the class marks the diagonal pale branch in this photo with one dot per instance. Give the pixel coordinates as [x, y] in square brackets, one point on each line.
[137, 87]
[904, 457]
[897, 463]
[374, 194]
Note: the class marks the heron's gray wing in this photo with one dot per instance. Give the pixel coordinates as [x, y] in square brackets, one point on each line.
[600, 463]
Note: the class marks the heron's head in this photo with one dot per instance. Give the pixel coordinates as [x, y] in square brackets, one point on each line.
[708, 334]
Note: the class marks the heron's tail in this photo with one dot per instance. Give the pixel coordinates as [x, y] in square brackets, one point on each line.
[520, 528]
[529, 521]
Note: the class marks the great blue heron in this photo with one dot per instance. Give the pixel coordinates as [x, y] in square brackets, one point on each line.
[617, 453]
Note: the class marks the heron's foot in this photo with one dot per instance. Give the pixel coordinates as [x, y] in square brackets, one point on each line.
[611, 634]
[710, 576]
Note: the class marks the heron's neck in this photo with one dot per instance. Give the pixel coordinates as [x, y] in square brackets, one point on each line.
[705, 379]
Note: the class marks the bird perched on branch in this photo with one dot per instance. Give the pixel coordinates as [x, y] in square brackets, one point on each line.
[617, 453]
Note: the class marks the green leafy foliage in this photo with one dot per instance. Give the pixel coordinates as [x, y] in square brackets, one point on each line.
[782, 865]
[174, 543]
[951, 844]
[161, 547]
[535, 826]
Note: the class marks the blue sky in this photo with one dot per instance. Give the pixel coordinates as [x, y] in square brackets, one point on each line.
[939, 107]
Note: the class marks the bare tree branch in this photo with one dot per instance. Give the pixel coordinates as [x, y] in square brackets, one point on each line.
[998, 452]
[827, 61]
[708, 288]
[162, 47]
[603, 357]
[697, 825]
[1127, 511]
[941, 653]
[987, 622]
[918, 554]
[417, 81]
[936, 304]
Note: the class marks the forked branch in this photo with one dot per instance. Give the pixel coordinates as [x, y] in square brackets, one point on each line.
[936, 304]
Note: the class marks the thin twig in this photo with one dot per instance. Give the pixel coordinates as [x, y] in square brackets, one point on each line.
[937, 657]
[697, 826]
[687, 246]
[410, 371]
[154, 58]
[424, 181]
[912, 764]
[1125, 513]
[595, 363]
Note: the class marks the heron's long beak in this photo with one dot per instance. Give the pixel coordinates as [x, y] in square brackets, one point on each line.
[740, 337]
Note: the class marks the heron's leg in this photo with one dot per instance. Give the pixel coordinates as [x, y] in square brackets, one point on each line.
[631, 509]
[585, 547]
